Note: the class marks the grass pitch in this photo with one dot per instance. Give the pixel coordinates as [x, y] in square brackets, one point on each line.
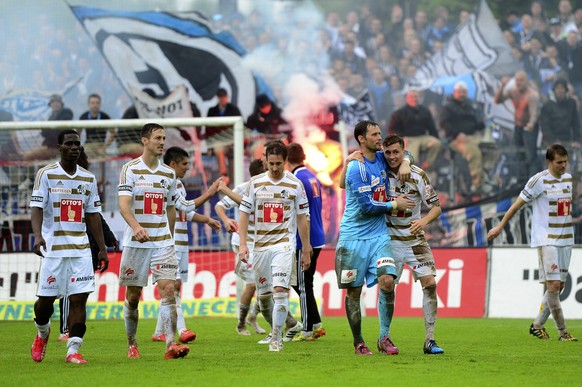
[491, 352]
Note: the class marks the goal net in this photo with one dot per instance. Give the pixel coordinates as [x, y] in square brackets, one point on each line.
[110, 144]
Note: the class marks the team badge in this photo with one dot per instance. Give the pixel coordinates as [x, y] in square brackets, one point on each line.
[81, 189]
[404, 189]
[163, 183]
[284, 194]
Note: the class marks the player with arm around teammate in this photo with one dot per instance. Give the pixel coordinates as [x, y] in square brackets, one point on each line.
[552, 234]
[363, 253]
[64, 202]
[179, 160]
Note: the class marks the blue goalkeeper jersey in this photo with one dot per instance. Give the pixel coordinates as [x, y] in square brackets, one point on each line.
[366, 200]
[313, 191]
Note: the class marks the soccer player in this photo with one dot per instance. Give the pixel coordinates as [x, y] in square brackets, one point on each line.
[147, 193]
[363, 250]
[278, 201]
[407, 232]
[312, 326]
[179, 160]
[64, 201]
[247, 314]
[550, 192]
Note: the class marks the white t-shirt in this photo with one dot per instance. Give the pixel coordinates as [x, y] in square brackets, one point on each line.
[65, 199]
[551, 199]
[276, 206]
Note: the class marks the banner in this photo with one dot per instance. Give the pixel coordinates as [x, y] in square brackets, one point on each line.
[212, 285]
[516, 292]
[163, 50]
[477, 54]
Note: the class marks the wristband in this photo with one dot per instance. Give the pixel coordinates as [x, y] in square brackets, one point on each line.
[394, 205]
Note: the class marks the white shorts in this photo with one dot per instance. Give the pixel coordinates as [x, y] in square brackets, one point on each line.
[182, 273]
[136, 263]
[419, 258]
[554, 262]
[61, 277]
[274, 267]
[244, 270]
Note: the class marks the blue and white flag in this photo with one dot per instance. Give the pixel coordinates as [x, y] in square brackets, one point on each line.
[26, 105]
[477, 54]
[162, 50]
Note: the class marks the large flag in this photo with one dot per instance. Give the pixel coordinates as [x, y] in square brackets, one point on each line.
[477, 54]
[162, 50]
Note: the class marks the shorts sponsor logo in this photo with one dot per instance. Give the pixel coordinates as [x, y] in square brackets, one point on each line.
[166, 266]
[262, 280]
[348, 276]
[386, 261]
[554, 267]
[129, 271]
[83, 279]
[51, 280]
[279, 274]
[423, 264]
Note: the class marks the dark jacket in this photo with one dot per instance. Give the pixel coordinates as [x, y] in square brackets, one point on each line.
[266, 123]
[230, 110]
[95, 135]
[409, 122]
[457, 118]
[51, 136]
[560, 122]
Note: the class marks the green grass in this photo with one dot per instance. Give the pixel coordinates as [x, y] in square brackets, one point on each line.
[492, 352]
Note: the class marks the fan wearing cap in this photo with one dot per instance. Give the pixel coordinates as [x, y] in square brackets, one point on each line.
[267, 117]
[559, 119]
[50, 136]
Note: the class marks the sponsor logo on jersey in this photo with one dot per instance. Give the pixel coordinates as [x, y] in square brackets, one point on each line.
[564, 207]
[97, 203]
[153, 203]
[144, 184]
[66, 191]
[365, 188]
[125, 188]
[71, 210]
[385, 261]
[314, 187]
[83, 279]
[51, 280]
[375, 181]
[246, 204]
[273, 212]
[265, 195]
[36, 199]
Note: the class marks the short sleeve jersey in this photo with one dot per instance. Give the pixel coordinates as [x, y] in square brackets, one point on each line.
[181, 226]
[417, 189]
[551, 199]
[152, 191]
[228, 203]
[65, 200]
[276, 206]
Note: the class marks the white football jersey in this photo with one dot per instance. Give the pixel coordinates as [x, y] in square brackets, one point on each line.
[228, 203]
[417, 189]
[65, 199]
[182, 217]
[551, 199]
[276, 206]
[152, 192]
